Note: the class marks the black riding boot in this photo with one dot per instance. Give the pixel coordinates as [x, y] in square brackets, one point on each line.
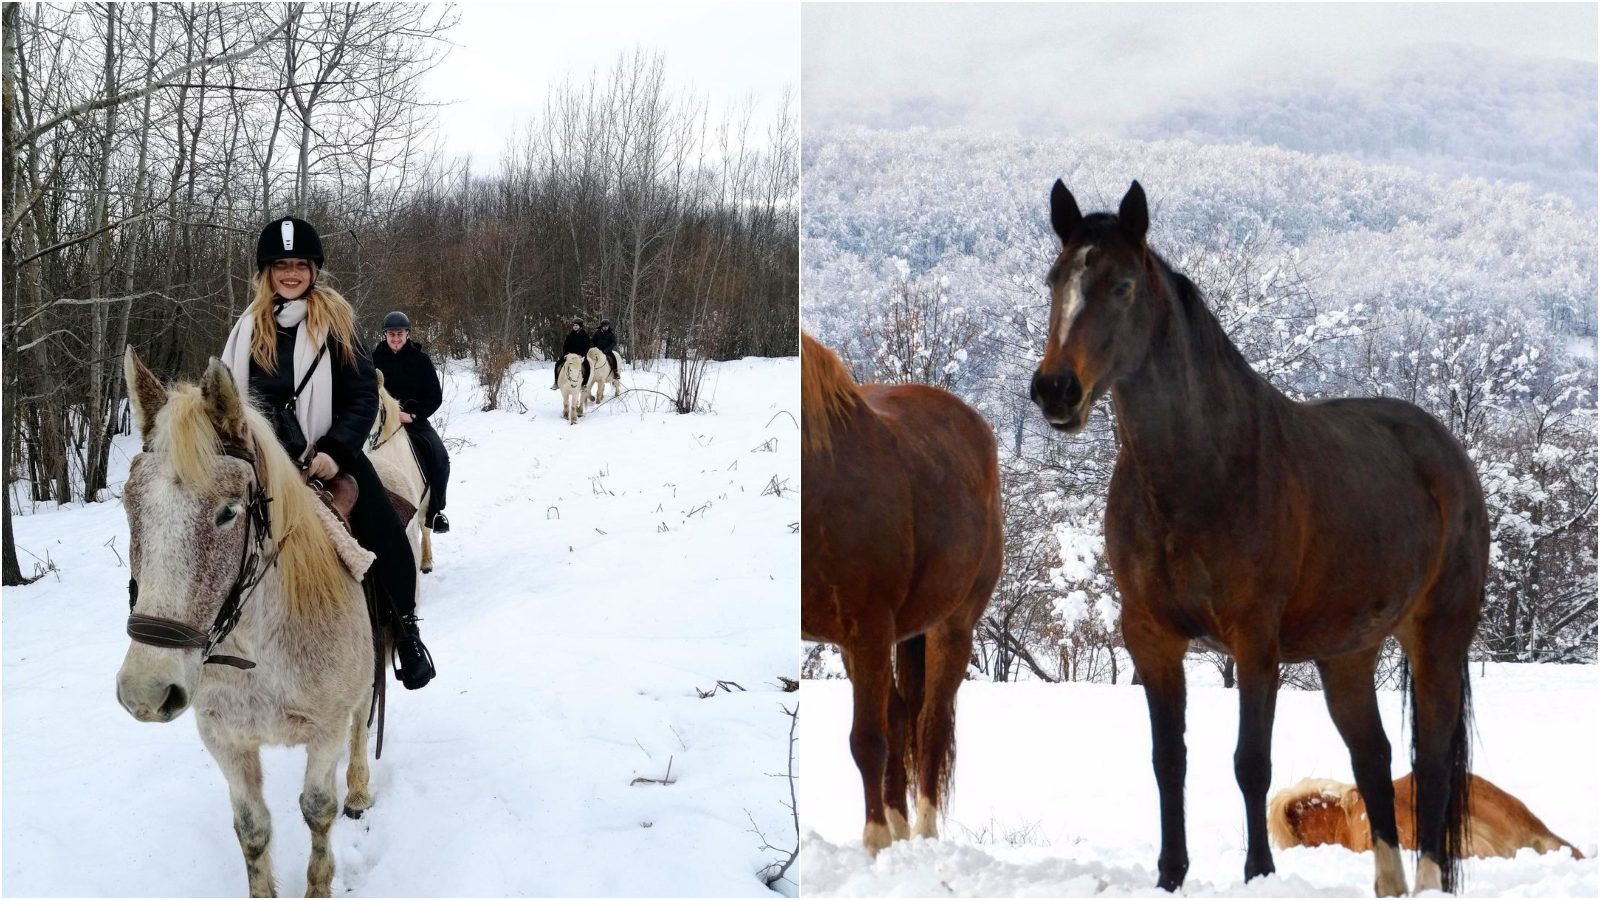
[415, 669]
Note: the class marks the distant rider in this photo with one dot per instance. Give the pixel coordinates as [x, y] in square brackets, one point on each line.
[577, 342]
[606, 340]
[409, 377]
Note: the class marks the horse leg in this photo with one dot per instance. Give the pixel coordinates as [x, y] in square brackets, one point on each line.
[319, 807]
[241, 766]
[1158, 661]
[427, 549]
[1353, 704]
[357, 777]
[949, 649]
[871, 682]
[1252, 758]
[894, 777]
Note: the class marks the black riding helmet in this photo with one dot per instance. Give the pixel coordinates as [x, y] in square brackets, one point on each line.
[396, 319]
[288, 238]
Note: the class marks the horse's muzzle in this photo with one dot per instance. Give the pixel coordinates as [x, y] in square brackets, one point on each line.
[153, 693]
[1060, 398]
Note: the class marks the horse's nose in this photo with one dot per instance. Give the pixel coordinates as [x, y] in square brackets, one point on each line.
[1058, 390]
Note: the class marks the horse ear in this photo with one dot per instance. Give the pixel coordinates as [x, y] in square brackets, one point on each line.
[145, 392]
[380, 377]
[223, 404]
[1064, 215]
[1134, 214]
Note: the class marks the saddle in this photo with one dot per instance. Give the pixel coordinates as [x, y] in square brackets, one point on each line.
[340, 493]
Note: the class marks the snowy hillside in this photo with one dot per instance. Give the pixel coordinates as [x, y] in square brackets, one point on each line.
[1053, 793]
[596, 576]
[1450, 110]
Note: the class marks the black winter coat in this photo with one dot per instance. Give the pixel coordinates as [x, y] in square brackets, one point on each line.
[576, 342]
[409, 377]
[355, 393]
[605, 338]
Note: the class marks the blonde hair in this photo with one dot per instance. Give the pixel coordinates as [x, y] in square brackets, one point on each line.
[327, 314]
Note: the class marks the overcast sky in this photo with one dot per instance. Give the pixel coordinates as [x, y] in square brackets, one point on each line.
[508, 55]
[1044, 66]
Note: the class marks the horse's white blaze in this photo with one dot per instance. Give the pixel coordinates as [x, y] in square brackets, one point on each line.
[1391, 875]
[927, 819]
[1072, 304]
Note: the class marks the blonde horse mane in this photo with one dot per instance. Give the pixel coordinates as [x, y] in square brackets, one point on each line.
[312, 572]
[827, 394]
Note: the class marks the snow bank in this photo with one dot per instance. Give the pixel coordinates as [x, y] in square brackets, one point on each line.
[1053, 793]
[595, 577]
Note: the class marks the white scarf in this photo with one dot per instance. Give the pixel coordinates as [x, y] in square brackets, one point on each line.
[314, 409]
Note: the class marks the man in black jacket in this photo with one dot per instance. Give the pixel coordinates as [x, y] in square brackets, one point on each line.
[577, 341]
[606, 340]
[409, 377]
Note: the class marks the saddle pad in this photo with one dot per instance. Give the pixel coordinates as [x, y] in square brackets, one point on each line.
[356, 558]
[402, 507]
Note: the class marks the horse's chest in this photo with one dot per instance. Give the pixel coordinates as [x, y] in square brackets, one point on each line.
[254, 714]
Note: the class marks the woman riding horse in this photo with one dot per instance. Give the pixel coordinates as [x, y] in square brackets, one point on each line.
[295, 347]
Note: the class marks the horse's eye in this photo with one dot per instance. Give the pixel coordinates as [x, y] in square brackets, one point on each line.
[1124, 287]
[227, 513]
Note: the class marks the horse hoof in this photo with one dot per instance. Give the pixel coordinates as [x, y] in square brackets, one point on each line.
[353, 813]
[427, 569]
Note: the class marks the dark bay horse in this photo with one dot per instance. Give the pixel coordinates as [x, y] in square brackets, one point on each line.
[1280, 531]
[901, 547]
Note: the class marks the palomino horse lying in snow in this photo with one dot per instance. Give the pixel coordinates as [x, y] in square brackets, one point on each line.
[1280, 531]
[601, 374]
[229, 553]
[1317, 811]
[901, 547]
[395, 460]
[573, 390]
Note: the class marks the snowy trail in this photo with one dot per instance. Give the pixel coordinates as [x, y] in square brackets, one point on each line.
[1053, 794]
[569, 661]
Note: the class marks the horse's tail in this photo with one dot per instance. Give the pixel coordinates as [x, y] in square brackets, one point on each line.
[910, 676]
[1457, 837]
[827, 393]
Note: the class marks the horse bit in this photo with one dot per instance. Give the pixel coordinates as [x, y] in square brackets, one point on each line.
[160, 632]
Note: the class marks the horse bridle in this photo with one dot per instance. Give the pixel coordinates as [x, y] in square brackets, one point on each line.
[374, 440]
[161, 632]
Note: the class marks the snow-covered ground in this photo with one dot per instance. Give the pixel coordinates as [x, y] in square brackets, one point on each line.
[595, 577]
[1053, 794]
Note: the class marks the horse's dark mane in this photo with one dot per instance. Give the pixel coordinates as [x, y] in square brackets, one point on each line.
[1203, 332]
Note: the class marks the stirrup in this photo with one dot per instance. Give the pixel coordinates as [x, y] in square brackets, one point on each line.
[415, 664]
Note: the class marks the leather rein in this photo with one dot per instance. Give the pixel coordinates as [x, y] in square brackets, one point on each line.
[161, 632]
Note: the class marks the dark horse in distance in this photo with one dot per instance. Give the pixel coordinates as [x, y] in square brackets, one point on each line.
[1279, 531]
[901, 547]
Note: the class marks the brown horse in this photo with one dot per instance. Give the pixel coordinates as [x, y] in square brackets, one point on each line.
[1317, 811]
[901, 549]
[1279, 531]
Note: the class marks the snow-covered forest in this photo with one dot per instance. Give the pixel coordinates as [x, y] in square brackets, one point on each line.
[925, 253]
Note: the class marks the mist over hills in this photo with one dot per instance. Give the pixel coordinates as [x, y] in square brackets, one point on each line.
[1447, 109]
